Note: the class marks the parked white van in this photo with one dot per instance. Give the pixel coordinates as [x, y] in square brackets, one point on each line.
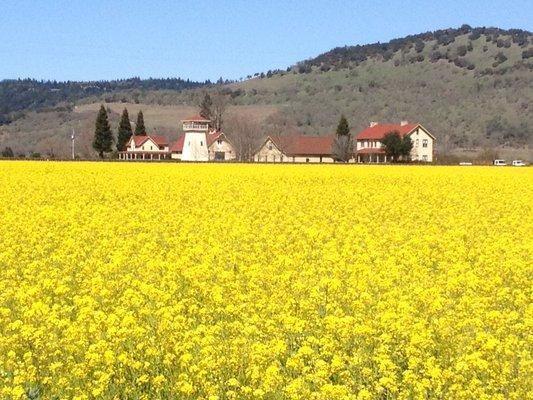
[500, 163]
[519, 163]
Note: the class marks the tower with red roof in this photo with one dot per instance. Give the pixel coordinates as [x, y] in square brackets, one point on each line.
[195, 147]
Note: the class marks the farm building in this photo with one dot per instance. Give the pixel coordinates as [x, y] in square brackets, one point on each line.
[369, 148]
[199, 143]
[296, 148]
[150, 147]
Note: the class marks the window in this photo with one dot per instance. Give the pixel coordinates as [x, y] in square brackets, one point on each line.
[306, 160]
[270, 146]
[424, 143]
[151, 147]
[219, 142]
[201, 143]
[425, 157]
[416, 143]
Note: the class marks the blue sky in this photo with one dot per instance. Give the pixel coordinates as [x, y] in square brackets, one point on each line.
[97, 39]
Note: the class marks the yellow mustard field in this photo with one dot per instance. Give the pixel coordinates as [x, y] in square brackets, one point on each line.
[173, 281]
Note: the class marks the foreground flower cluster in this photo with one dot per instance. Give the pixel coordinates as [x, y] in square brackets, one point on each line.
[139, 281]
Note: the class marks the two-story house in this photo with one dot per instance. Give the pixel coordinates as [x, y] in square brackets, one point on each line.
[149, 147]
[369, 148]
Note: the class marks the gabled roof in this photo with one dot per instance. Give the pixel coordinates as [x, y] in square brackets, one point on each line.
[212, 136]
[157, 139]
[303, 145]
[196, 118]
[379, 131]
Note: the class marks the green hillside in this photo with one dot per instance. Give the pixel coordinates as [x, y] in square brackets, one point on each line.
[473, 88]
[474, 92]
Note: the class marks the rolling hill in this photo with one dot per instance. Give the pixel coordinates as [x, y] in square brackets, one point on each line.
[472, 87]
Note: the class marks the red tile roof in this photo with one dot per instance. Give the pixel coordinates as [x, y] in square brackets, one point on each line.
[157, 139]
[178, 146]
[212, 136]
[293, 145]
[379, 131]
[196, 118]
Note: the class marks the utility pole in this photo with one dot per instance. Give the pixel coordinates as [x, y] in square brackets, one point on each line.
[72, 143]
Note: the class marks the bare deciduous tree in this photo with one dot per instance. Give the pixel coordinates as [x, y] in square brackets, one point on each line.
[218, 108]
[342, 148]
[245, 135]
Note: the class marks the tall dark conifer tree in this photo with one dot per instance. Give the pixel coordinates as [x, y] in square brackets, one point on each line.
[343, 128]
[103, 137]
[140, 129]
[124, 131]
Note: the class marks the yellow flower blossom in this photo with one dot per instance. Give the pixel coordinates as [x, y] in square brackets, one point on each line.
[129, 280]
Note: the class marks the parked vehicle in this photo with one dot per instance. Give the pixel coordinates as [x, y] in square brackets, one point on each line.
[519, 163]
[500, 163]
[465, 163]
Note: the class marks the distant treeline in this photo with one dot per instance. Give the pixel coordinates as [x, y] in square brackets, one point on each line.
[341, 57]
[19, 95]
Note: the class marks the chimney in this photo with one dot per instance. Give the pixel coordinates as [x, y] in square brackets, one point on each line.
[403, 123]
[372, 124]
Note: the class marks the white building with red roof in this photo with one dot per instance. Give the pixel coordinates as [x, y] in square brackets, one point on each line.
[199, 143]
[370, 149]
[149, 147]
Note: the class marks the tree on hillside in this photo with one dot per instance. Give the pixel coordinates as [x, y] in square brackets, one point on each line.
[8, 153]
[342, 147]
[103, 138]
[140, 129]
[205, 106]
[124, 131]
[395, 146]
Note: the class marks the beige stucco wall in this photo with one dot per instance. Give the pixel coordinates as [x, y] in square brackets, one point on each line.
[313, 159]
[265, 154]
[225, 146]
[418, 152]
